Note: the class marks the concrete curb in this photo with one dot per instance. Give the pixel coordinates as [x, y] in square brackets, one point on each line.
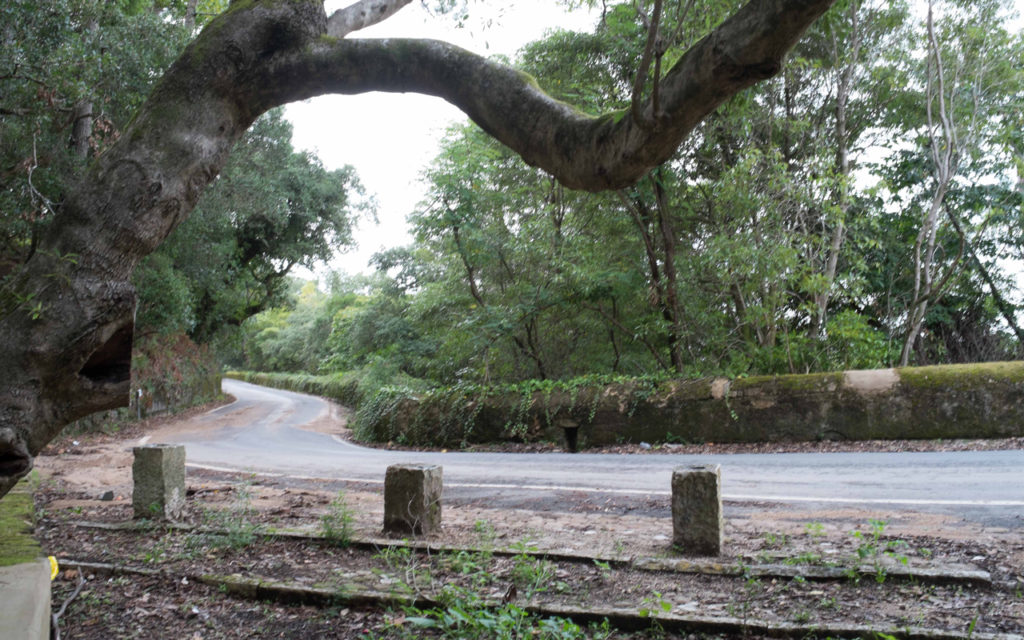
[25, 600]
[627, 620]
[929, 575]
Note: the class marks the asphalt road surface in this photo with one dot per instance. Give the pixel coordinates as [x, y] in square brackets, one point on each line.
[260, 432]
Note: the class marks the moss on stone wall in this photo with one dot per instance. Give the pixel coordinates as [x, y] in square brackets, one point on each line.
[17, 520]
[958, 377]
[983, 400]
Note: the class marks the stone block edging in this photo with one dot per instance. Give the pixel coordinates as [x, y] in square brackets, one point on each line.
[933, 575]
[624, 619]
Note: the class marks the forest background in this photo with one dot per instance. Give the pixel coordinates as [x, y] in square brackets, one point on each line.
[862, 209]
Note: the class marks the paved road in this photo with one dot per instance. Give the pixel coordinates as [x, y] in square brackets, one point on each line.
[263, 435]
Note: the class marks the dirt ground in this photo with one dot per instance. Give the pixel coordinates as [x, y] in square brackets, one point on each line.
[87, 480]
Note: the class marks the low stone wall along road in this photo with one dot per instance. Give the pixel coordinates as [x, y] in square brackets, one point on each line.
[263, 432]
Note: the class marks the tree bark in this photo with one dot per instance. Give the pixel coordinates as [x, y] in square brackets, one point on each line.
[190, 14]
[362, 14]
[663, 282]
[81, 115]
[668, 242]
[67, 315]
[81, 128]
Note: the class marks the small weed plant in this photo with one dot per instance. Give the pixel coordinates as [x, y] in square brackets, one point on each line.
[336, 525]
[231, 528]
[407, 572]
[465, 615]
[654, 604]
[474, 564]
[530, 575]
[872, 549]
[804, 558]
[815, 529]
[752, 590]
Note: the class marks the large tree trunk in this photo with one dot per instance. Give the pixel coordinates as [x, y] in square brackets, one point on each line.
[66, 317]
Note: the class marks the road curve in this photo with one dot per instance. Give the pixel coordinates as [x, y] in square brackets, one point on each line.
[261, 431]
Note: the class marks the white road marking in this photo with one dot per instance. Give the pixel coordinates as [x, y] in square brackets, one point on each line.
[541, 487]
[224, 408]
[270, 474]
[727, 497]
[911, 501]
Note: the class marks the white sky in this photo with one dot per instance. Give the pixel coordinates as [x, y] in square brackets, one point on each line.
[390, 138]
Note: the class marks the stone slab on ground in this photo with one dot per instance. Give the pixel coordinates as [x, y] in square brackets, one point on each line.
[261, 588]
[25, 600]
[936, 573]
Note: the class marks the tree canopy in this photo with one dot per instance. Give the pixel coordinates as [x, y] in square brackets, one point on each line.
[789, 233]
[270, 209]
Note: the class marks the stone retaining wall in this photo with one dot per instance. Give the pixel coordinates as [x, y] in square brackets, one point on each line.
[178, 397]
[950, 401]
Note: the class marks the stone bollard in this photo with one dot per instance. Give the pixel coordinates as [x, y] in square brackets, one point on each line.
[412, 499]
[697, 509]
[158, 473]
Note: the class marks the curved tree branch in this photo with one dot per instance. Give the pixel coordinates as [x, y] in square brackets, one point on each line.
[582, 151]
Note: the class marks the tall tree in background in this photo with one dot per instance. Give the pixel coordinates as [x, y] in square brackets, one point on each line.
[854, 46]
[271, 209]
[738, 243]
[515, 270]
[966, 69]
